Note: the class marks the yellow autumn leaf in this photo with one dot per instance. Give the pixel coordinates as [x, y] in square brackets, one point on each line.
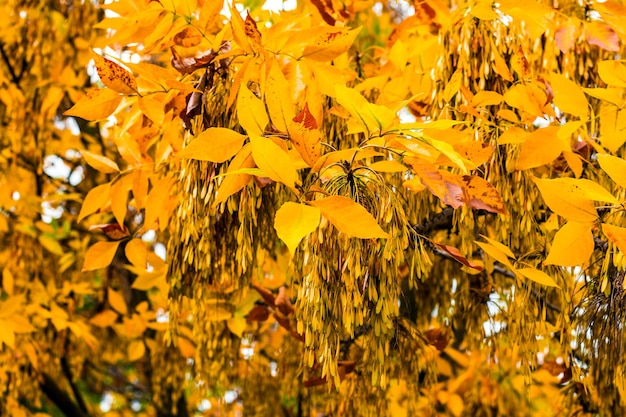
[486, 98]
[569, 96]
[153, 109]
[273, 160]
[615, 167]
[96, 199]
[500, 246]
[7, 334]
[372, 117]
[294, 221]
[104, 318]
[388, 166]
[136, 350]
[136, 252]
[117, 301]
[538, 276]
[97, 104]
[277, 96]
[232, 182]
[8, 281]
[496, 253]
[540, 148]
[100, 162]
[566, 199]
[612, 72]
[349, 217]
[617, 236]
[119, 198]
[237, 325]
[215, 144]
[329, 43]
[100, 255]
[114, 76]
[251, 112]
[572, 245]
[453, 85]
[148, 280]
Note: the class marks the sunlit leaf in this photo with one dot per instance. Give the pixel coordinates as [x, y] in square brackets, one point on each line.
[251, 112]
[349, 217]
[100, 162]
[114, 76]
[215, 144]
[615, 167]
[136, 350]
[97, 104]
[617, 235]
[100, 255]
[538, 276]
[330, 43]
[278, 98]
[294, 221]
[95, 200]
[568, 96]
[117, 301]
[273, 161]
[572, 245]
[566, 198]
[305, 135]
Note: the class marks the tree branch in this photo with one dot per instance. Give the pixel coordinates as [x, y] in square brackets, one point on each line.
[60, 398]
[5, 58]
[65, 366]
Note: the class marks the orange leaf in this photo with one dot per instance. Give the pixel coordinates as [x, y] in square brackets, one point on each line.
[97, 104]
[100, 163]
[565, 36]
[617, 235]
[349, 217]
[115, 76]
[137, 253]
[602, 35]
[305, 136]
[449, 193]
[95, 200]
[136, 350]
[540, 148]
[454, 253]
[215, 144]
[105, 318]
[479, 194]
[100, 255]
[117, 301]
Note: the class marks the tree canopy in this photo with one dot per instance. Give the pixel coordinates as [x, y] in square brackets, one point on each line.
[312, 208]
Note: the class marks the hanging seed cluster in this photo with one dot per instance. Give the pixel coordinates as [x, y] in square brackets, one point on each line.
[350, 286]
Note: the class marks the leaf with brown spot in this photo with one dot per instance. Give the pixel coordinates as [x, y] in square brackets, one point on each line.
[188, 37]
[115, 76]
[305, 136]
[481, 195]
[520, 64]
[251, 30]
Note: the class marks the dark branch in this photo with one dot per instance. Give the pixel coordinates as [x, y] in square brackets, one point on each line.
[5, 58]
[440, 221]
[60, 398]
[77, 395]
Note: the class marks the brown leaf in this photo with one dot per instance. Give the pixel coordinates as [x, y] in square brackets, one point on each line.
[258, 313]
[454, 253]
[438, 337]
[266, 294]
[251, 30]
[189, 65]
[112, 230]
